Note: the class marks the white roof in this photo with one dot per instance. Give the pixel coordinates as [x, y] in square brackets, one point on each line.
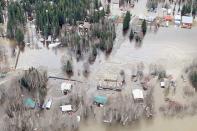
[150, 18]
[56, 40]
[49, 103]
[141, 16]
[162, 83]
[78, 118]
[187, 19]
[137, 94]
[100, 8]
[49, 38]
[66, 86]
[177, 17]
[53, 45]
[66, 108]
[169, 11]
[41, 39]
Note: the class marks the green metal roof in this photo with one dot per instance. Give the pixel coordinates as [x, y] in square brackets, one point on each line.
[29, 103]
[100, 99]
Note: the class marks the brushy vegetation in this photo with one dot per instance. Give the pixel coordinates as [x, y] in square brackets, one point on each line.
[35, 82]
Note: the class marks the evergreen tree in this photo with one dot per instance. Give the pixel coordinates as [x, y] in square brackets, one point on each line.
[126, 21]
[108, 9]
[19, 36]
[194, 12]
[131, 36]
[144, 27]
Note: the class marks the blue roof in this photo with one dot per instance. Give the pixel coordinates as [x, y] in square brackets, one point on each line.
[29, 103]
[100, 99]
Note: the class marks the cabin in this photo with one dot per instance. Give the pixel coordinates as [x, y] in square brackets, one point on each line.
[66, 88]
[100, 100]
[137, 95]
[187, 22]
[66, 108]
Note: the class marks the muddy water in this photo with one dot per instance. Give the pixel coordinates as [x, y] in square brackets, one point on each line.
[172, 47]
[158, 124]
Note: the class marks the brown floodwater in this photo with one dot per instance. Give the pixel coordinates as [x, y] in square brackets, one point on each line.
[172, 47]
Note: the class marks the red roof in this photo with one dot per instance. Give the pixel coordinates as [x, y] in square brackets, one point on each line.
[168, 18]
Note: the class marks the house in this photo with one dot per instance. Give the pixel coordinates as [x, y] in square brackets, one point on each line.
[187, 22]
[100, 100]
[177, 19]
[66, 87]
[48, 104]
[137, 94]
[66, 108]
[29, 103]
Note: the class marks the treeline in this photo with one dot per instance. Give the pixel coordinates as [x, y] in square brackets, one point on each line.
[189, 8]
[16, 21]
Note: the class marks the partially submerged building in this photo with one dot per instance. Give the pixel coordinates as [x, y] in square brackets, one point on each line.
[48, 104]
[66, 108]
[100, 100]
[138, 95]
[168, 18]
[29, 103]
[187, 22]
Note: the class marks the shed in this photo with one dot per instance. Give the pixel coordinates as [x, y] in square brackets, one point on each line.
[100, 99]
[29, 103]
[169, 11]
[66, 87]
[162, 84]
[101, 8]
[177, 19]
[138, 94]
[49, 103]
[66, 108]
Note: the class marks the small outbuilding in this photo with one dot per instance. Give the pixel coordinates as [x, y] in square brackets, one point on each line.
[66, 87]
[66, 108]
[138, 95]
[162, 84]
[29, 103]
[48, 104]
[168, 18]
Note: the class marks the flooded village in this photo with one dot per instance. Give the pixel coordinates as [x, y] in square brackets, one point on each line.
[98, 65]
